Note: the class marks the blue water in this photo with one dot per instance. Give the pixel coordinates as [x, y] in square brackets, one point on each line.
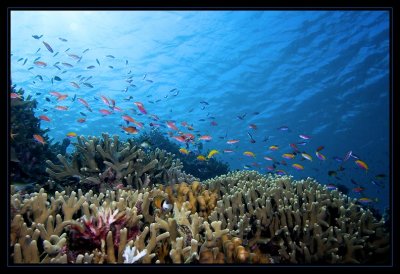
[324, 74]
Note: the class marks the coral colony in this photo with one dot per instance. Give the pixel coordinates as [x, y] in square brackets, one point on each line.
[116, 202]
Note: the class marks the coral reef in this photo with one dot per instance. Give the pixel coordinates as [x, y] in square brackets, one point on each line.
[241, 217]
[191, 165]
[107, 163]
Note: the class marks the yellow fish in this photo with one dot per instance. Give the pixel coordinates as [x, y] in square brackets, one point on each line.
[212, 152]
[71, 134]
[201, 158]
[184, 151]
[249, 153]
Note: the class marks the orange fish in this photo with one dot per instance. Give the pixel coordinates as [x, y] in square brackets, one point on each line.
[62, 97]
[81, 120]
[39, 139]
[171, 125]
[61, 107]
[105, 111]
[130, 129]
[128, 118]
[40, 64]
[117, 109]
[205, 138]
[140, 107]
[44, 118]
[298, 167]
[82, 101]
[105, 100]
[55, 93]
[249, 154]
[234, 141]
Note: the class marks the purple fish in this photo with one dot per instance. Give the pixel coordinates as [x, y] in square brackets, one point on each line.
[331, 187]
[337, 159]
[305, 137]
[347, 156]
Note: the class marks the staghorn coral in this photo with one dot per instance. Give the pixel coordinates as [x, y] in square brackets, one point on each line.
[297, 221]
[108, 163]
[257, 219]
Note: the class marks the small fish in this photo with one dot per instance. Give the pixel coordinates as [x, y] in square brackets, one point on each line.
[48, 47]
[184, 151]
[26, 59]
[347, 156]
[83, 114]
[111, 67]
[204, 102]
[98, 62]
[205, 138]
[337, 159]
[283, 128]
[233, 141]
[212, 153]
[126, 62]
[88, 85]
[249, 154]
[20, 59]
[331, 187]
[30, 68]
[305, 137]
[40, 64]
[82, 101]
[75, 85]
[280, 172]
[39, 76]
[228, 151]
[251, 138]
[306, 156]
[86, 50]
[320, 148]
[37, 36]
[90, 67]
[140, 107]
[110, 56]
[61, 107]
[44, 118]
[298, 166]
[67, 65]
[362, 165]
[55, 54]
[274, 147]
[57, 67]
[71, 134]
[63, 39]
[37, 58]
[268, 158]
[367, 201]
[105, 111]
[253, 126]
[130, 129]
[320, 156]
[81, 120]
[201, 158]
[67, 49]
[288, 156]
[358, 189]
[39, 139]
[241, 117]
[37, 50]
[213, 123]
[302, 143]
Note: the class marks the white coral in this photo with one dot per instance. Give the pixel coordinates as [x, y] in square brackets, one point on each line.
[130, 255]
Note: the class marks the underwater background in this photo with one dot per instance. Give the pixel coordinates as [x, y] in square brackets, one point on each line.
[250, 86]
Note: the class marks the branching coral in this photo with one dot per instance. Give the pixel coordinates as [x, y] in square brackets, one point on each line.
[108, 163]
[253, 219]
